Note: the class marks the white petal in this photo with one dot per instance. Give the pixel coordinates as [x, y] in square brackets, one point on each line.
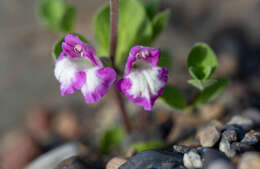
[145, 82]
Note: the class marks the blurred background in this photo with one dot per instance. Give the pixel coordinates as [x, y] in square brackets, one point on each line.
[26, 66]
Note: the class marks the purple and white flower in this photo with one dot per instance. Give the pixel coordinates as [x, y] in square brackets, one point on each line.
[143, 81]
[79, 68]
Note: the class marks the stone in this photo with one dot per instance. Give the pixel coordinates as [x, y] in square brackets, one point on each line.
[192, 160]
[52, 158]
[230, 135]
[254, 115]
[251, 138]
[115, 163]
[240, 132]
[250, 160]
[67, 125]
[241, 147]
[244, 122]
[209, 136]
[210, 156]
[226, 148]
[181, 149]
[221, 164]
[152, 159]
[72, 163]
[39, 122]
[19, 148]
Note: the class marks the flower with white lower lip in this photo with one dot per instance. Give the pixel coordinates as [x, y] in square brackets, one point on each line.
[79, 68]
[143, 81]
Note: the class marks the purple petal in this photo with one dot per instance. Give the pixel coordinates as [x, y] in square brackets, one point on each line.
[73, 47]
[98, 81]
[144, 87]
[146, 54]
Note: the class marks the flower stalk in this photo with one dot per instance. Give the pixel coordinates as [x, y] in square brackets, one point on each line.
[112, 53]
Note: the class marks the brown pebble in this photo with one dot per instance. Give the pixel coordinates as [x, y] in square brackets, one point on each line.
[39, 122]
[250, 160]
[209, 136]
[131, 152]
[115, 163]
[19, 148]
[67, 125]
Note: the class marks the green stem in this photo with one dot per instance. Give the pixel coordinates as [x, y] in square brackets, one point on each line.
[112, 53]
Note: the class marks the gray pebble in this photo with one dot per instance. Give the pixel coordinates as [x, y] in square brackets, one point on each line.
[221, 164]
[238, 129]
[72, 163]
[244, 122]
[210, 155]
[229, 135]
[250, 139]
[192, 160]
[254, 115]
[241, 147]
[152, 159]
[181, 149]
[226, 148]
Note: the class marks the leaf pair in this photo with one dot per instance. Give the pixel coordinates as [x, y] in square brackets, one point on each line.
[137, 25]
[201, 63]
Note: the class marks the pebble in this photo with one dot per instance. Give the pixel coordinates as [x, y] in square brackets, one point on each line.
[115, 163]
[230, 135]
[221, 164]
[244, 122]
[153, 159]
[19, 148]
[181, 149]
[72, 163]
[254, 115]
[210, 156]
[225, 147]
[251, 138]
[52, 158]
[67, 125]
[250, 160]
[39, 122]
[240, 132]
[241, 147]
[209, 136]
[192, 160]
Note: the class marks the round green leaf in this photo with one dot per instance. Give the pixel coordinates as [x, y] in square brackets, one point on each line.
[202, 61]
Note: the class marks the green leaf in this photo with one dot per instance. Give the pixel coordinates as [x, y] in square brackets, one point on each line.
[159, 23]
[57, 48]
[111, 139]
[165, 59]
[211, 92]
[68, 19]
[134, 28]
[57, 14]
[101, 28]
[173, 97]
[142, 146]
[201, 84]
[202, 61]
[151, 7]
